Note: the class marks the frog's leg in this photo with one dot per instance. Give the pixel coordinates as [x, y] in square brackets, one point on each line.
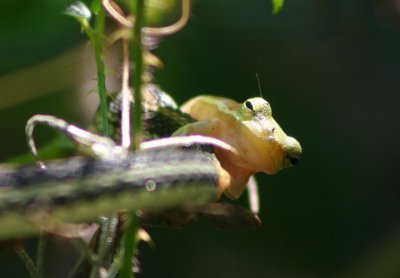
[238, 176]
[252, 192]
[207, 128]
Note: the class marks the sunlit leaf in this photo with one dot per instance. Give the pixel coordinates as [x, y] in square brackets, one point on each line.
[277, 5]
[80, 11]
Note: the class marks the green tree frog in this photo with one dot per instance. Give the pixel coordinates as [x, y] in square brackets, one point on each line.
[248, 127]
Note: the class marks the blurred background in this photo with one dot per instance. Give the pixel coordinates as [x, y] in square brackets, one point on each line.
[330, 70]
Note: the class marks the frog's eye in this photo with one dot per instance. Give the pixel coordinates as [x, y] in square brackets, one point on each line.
[249, 105]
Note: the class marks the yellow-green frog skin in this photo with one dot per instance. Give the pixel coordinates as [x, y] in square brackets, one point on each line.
[249, 127]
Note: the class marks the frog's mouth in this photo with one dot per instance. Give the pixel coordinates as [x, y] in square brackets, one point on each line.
[282, 152]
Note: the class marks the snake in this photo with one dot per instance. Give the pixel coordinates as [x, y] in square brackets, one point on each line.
[154, 180]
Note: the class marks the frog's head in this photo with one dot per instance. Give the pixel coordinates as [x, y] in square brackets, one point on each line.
[274, 150]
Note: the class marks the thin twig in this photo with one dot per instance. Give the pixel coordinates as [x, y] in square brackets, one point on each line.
[40, 252]
[126, 98]
[119, 17]
[26, 259]
[109, 6]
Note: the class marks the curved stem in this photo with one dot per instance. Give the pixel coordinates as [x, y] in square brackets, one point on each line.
[117, 14]
[173, 28]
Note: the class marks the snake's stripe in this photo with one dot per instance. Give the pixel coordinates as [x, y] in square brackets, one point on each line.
[80, 189]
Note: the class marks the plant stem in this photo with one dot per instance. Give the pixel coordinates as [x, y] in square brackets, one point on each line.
[137, 76]
[130, 241]
[40, 252]
[26, 259]
[106, 238]
[98, 43]
[129, 244]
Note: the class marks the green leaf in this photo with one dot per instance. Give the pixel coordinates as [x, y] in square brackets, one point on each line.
[80, 11]
[278, 5]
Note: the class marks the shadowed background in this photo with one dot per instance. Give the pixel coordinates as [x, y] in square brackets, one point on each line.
[330, 71]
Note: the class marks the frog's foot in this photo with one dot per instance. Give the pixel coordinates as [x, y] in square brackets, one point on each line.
[238, 181]
[233, 172]
[239, 175]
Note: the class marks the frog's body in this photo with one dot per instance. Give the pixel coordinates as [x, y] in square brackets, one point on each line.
[261, 144]
[250, 128]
